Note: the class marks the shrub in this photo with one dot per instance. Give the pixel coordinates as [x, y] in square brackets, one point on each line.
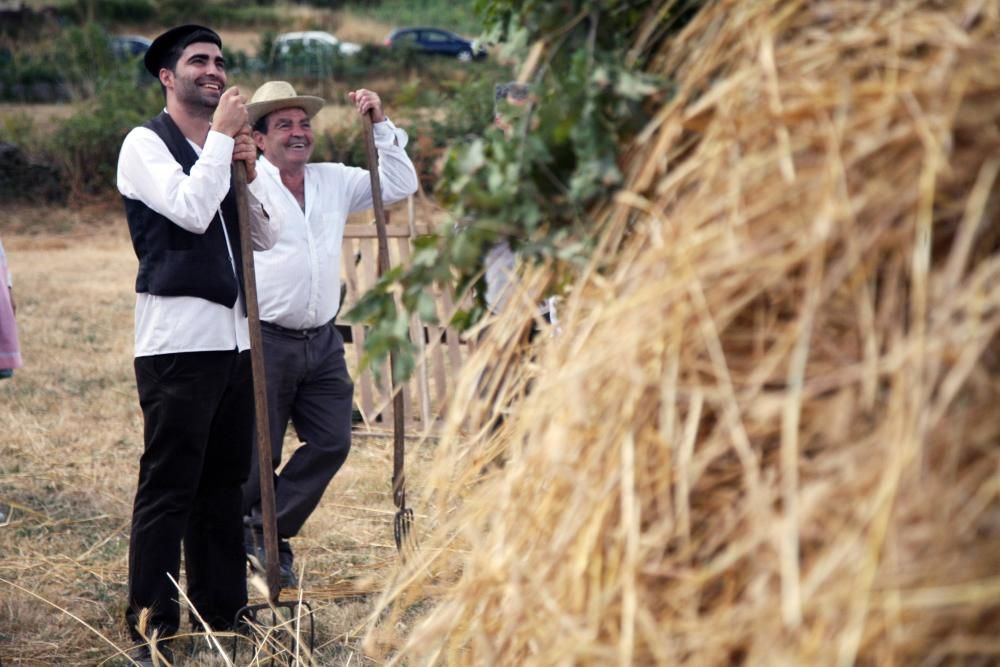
[266, 47]
[85, 58]
[344, 145]
[75, 65]
[25, 176]
[217, 15]
[29, 77]
[126, 11]
[89, 141]
[22, 179]
[106, 11]
[371, 61]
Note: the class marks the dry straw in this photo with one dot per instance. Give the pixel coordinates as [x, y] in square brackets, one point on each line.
[768, 432]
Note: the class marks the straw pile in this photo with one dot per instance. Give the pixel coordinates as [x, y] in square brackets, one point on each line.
[767, 433]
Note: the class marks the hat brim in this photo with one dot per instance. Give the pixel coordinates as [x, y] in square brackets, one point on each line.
[311, 105]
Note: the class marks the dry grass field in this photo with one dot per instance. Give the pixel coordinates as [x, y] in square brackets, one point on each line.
[69, 454]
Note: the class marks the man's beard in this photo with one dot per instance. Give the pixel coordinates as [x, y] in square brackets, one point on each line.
[197, 101]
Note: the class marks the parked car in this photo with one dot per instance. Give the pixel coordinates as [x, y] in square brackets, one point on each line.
[310, 42]
[128, 46]
[311, 54]
[435, 41]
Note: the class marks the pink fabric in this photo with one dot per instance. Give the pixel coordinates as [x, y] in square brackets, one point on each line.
[10, 349]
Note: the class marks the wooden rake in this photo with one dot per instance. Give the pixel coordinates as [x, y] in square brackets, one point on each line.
[402, 523]
[279, 629]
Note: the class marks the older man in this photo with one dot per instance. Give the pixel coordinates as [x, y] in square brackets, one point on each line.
[192, 366]
[298, 285]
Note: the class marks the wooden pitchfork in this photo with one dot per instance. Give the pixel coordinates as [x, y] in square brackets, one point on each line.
[403, 520]
[290, 620]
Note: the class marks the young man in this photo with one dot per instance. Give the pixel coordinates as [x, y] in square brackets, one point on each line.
[192, 367]
[298, 288]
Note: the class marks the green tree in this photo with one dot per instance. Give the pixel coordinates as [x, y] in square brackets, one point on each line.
[590, 95]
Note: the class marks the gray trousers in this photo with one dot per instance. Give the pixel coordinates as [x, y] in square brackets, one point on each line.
[308, 383]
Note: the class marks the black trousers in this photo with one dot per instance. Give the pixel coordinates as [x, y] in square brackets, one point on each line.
[198, 413]
[307, 382]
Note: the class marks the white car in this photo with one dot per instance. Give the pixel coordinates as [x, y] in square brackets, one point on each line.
[310, 41]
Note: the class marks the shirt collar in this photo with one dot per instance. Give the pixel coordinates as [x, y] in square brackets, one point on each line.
[270, 168]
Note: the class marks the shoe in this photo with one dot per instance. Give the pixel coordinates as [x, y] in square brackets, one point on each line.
[143, 656]
[286, 565]
[257, 557]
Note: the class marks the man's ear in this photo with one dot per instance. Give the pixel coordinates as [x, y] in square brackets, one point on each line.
[166, 77]
[258, 138]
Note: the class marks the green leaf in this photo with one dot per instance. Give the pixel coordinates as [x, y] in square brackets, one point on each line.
[426, 308]
[472, 158]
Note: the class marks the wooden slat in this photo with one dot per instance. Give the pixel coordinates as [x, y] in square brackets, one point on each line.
[417, 332]
[365, 231]
[363, 380]
[402, 248]
[369, 271]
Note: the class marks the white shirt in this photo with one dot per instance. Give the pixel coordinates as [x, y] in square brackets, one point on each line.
[298, 280]
[147, 172]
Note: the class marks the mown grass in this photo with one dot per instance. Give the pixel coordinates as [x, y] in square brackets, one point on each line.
[72, 435]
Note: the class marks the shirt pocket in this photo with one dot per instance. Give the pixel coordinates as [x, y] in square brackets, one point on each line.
[329, 234]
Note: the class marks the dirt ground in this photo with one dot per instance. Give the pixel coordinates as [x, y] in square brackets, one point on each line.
[72, 436]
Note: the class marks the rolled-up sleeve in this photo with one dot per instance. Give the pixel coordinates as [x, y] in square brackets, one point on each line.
[397, 175]
[264, 227]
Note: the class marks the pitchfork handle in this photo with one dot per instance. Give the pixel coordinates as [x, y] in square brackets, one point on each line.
[398, 478]
[267, 502]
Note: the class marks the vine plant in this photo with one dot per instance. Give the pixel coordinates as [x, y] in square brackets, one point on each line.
[585, 62]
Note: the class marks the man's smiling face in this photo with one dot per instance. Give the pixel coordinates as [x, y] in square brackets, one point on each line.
[289, 139]
[199, 77]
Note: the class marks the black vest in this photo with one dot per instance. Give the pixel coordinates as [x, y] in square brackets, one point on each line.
[174, 261]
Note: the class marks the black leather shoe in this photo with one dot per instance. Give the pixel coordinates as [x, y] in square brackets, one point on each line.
[257, 557]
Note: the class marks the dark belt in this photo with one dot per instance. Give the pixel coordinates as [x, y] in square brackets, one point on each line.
[297, 333]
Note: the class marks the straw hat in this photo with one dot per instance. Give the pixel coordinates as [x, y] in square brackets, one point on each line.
[275, 95]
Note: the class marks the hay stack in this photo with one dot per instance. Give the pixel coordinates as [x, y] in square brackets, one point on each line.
[768, 433]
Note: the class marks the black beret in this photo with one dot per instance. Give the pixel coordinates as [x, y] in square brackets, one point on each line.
[183, 36]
